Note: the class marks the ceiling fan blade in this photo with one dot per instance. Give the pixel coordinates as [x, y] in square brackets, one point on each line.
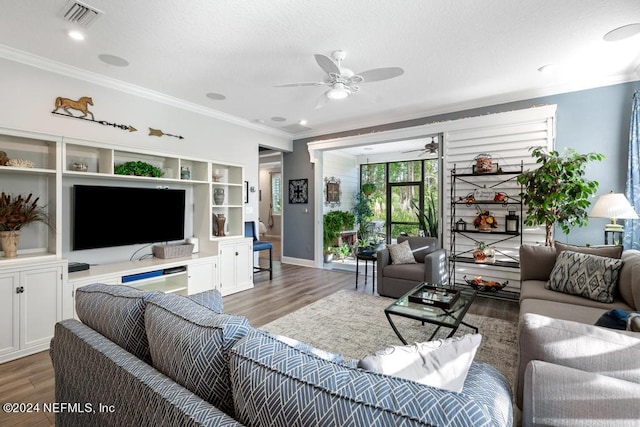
[411, 151]
[327, 64]
[322, 101]
[301, 84]
[378, 74]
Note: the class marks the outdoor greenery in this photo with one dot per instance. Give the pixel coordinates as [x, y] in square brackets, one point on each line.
[404, 178]
[363, 215]
[557, 191]
[333, 224]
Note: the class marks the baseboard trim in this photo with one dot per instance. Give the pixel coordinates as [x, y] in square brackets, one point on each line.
[298, 261]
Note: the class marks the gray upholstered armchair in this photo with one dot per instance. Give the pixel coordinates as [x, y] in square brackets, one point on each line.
[395, 280]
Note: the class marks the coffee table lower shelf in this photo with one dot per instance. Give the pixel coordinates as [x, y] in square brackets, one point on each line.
[440, 317]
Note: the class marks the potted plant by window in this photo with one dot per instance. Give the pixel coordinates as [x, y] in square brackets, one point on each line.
[557, 191]
[363, 215]
[334, 222]
[368, 188]
[16, 212]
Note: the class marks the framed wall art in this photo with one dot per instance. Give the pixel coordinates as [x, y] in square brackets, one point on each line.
[298, 191]
[332, 191]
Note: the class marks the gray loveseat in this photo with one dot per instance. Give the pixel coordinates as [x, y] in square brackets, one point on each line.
[395, 280]
[148, 358]
[571, 372]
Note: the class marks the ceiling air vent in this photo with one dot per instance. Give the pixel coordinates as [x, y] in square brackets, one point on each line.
[79, 13]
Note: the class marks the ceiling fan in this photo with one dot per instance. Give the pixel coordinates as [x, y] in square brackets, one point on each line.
[343, 82]
[429, 148]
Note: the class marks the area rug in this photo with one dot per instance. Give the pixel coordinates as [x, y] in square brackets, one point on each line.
[353, 324]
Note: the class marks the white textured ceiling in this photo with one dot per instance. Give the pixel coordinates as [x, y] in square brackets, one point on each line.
[456, 54]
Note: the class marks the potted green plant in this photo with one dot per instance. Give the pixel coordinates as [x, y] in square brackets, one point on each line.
[334, 222]
[16, 212]
[428, 218]
[363, 215]
[138, 169]
[557, 191]
[368, 188]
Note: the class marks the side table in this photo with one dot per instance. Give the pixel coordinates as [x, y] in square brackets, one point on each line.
[366, 258]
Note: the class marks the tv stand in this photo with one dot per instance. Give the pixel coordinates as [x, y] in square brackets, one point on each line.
[184, 276]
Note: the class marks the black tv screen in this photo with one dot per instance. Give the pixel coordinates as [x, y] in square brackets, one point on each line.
[116, 216]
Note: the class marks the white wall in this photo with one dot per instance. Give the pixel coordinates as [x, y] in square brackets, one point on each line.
[29, 93]
[344, 168]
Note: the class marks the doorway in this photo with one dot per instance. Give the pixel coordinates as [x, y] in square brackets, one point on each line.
[406, 197]
[270, 201]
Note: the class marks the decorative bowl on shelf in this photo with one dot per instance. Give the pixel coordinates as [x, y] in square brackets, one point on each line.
[479, 284]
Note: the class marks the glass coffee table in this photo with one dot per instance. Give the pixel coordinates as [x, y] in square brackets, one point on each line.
[438, 316]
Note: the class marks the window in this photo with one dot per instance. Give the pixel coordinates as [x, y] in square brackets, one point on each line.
[401, 190]
[276, 193]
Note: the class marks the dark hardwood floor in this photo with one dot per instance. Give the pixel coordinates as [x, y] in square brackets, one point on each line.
[30, 379]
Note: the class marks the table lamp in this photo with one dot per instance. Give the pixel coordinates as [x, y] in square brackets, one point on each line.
[614, 206]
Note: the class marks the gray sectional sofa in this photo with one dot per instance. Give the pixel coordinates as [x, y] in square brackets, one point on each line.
[148, 358]
[571, 372]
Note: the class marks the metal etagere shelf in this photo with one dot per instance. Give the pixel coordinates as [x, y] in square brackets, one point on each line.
[466, 205]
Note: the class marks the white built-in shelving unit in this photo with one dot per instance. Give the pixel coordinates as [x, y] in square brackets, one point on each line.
[36, 290]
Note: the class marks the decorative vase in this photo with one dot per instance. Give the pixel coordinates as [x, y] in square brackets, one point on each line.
[484, 228]
[220, 220]
[9, 241]
[218, 196]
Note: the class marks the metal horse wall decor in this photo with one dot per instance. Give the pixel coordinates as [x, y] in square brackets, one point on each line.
[82, 105]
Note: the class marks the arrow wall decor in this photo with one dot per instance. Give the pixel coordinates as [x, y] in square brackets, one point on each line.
[82, 105]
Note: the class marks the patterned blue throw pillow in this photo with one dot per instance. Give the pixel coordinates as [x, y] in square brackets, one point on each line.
[591, 276]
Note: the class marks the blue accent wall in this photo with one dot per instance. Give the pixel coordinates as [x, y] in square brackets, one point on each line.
[589, 120]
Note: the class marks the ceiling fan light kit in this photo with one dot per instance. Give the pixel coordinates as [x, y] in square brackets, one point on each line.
[338, 91]
[343, 82]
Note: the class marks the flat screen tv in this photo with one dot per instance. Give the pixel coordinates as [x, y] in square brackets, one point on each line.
[116, 216]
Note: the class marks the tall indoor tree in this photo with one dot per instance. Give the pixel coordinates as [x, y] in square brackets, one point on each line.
[557, 191]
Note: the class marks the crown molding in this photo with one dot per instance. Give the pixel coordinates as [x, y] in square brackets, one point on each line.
[26, 58]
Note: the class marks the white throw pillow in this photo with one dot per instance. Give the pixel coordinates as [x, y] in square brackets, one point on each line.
[401, 253]
[442, 363]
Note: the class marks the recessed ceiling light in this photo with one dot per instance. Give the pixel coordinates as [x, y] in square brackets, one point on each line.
[621, 33]
[278, 119]
[76, 35]
[113, 60]
[302, 122]
[216, 96]
[548, 69]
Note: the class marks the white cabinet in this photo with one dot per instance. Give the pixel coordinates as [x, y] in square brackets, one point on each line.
[201, 276]
[9, 313]
[235, 265]
[31, 304]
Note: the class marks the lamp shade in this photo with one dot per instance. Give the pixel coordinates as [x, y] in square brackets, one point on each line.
[613, 206]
